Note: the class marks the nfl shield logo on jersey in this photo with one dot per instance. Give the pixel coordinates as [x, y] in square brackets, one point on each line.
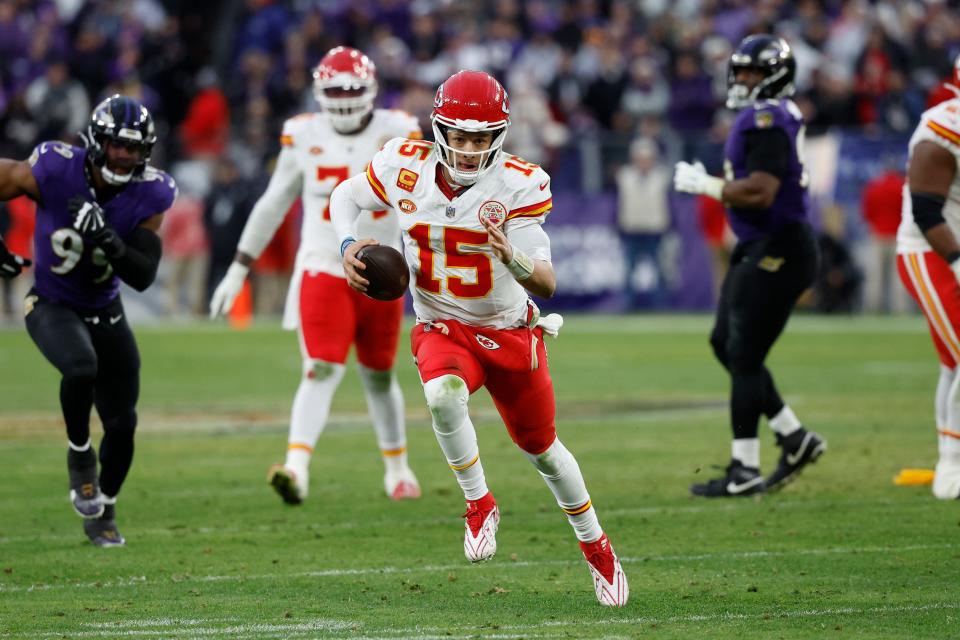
[494, 212]
[486, 342]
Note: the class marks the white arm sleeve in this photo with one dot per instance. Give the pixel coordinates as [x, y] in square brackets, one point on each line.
[269, 211]
[348, 200]
[529, 237]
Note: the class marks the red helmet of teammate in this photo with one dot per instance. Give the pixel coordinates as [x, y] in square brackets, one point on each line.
[470, 101]
[345, 85]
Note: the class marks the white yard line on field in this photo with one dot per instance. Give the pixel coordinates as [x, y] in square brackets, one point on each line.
[165, 581]
[669, 510]
[352, 629]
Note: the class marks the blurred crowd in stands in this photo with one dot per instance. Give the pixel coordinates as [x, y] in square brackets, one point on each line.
[597, 86]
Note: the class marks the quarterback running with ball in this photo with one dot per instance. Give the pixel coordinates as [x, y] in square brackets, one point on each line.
[471, 218]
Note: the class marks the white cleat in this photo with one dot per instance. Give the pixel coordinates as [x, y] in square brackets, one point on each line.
[480, 529]
[287, 483]
[609, 580]
[402, 485]
[946, 481]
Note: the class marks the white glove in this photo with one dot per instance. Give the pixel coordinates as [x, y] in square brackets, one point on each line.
[551, 324]
[228, 290]
[693, 178]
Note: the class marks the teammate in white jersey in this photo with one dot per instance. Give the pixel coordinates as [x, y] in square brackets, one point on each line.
[928, 259]
[319, 151]
[471, 218]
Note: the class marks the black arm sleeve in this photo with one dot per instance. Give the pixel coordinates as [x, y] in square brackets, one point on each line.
[138, 261]
[927, 210]
[768, 150]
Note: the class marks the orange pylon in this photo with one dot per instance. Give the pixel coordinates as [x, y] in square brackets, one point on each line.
[241, 313]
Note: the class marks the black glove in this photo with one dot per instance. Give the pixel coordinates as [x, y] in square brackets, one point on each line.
[88, 217]
[11, 264]
[110, 242]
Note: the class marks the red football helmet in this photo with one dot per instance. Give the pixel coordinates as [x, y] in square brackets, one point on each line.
[345, 85]
[470, 101]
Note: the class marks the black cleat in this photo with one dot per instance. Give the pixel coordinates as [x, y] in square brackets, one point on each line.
[737, 481]
[284, 482]
[84, 487]
[800, 448]
[103, 531]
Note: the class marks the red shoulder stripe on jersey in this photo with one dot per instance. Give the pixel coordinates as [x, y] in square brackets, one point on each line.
[286, 141]
[943, 132]
[532, 210]
[376, 185]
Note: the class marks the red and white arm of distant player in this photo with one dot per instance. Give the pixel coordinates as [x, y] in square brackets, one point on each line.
[930, 173]
[346, 202]
[285, 186]
[525, 251]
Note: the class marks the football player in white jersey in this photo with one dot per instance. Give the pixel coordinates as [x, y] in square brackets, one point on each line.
[319, 151]
[928, 259]
[471, 218]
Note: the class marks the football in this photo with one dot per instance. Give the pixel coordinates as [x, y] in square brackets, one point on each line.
[386, 270]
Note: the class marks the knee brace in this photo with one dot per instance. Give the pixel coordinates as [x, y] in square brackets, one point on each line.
[447, 397]
[376, 381]
[321, 371]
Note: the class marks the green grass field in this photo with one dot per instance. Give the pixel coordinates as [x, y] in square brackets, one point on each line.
[212, 552]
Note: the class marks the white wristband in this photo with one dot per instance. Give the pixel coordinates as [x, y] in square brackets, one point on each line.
[521, 265]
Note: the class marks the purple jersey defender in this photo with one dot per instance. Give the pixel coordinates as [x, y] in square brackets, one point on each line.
[68, 270]
[792, 202]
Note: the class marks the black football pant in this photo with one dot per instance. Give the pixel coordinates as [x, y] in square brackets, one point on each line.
[765, 279]
[97, 356]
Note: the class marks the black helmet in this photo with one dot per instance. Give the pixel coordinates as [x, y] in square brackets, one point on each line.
[122, 120]
[771, 56]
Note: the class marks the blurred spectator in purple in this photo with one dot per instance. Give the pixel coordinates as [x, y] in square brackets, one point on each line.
[692, 104]
[734, 19]
[264, 28]
[14, 31]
